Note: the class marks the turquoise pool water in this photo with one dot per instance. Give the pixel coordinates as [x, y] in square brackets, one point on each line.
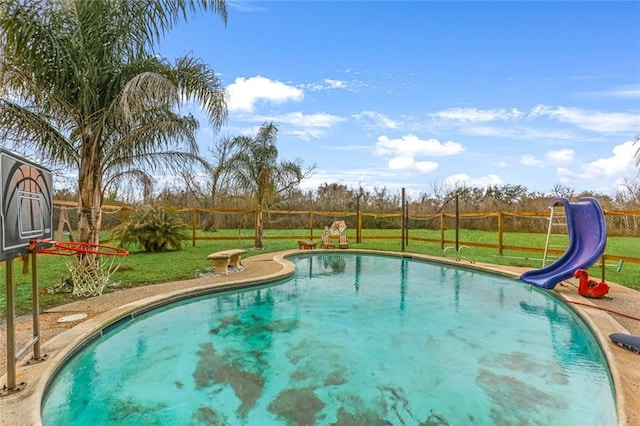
[350, 339]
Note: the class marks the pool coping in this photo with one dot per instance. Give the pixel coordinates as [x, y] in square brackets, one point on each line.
[24, 407]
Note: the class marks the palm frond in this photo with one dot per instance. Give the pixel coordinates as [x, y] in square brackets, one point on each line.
[116, 178]
[145, 91]
[21, 126]
[198, 82]
[158, 132]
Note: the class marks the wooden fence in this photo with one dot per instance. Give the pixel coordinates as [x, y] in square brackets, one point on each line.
[621, 223]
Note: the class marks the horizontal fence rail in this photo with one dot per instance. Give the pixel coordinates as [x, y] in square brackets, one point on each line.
[502, 224]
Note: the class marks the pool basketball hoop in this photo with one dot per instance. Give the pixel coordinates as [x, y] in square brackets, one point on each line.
[90, 265]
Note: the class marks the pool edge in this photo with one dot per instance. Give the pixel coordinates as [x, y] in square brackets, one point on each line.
[24, 408]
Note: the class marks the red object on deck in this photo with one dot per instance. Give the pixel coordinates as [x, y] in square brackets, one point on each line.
[590, 288]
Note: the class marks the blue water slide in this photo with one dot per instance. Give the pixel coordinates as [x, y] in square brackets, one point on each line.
[587, 240]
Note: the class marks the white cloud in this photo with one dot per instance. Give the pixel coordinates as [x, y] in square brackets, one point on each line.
[302, 126]
[410, 165]
[404, 150]
[245, 93]
[518, 132]
[605, 122]
[368, 178]
[378, 119]
[463, 179]
[620, 162]
[511, 122]
[309, 120]
[531, 161]
[624, 92]
[411, 146]
[474, 115]
[566, 176]
[560, 157]
[334, 84]
[305, 134]
[356, 148]
[618, 166]
[331, 84]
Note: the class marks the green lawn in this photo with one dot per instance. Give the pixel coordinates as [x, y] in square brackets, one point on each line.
[140, 268]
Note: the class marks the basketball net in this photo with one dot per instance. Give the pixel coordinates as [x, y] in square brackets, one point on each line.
[90, 265]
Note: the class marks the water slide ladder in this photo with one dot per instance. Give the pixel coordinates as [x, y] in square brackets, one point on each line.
[556, 230]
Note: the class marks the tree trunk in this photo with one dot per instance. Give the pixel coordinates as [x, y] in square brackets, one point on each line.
[89, 203]
[259, 227]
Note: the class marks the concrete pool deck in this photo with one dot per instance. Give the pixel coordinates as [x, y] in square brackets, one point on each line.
[616, 313]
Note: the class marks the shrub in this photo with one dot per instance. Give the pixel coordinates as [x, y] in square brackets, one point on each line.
[153, 228]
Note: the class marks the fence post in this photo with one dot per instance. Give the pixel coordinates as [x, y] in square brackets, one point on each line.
[406, 223]
[358, 221]
[403, 225]
[194, 224]
[500, 230]
[457, 224]
[442, 231]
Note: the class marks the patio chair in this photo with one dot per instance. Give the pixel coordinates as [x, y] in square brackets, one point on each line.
[343, 242]
[326, 239]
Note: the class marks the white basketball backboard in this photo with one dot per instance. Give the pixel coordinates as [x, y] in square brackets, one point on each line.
[26, 204]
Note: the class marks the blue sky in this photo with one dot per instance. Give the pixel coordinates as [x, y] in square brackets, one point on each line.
[427, 95]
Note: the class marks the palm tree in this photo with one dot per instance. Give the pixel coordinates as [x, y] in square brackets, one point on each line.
[258, 172]
[82, 86]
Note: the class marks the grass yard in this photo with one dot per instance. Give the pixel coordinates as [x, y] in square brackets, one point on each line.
[140, 268]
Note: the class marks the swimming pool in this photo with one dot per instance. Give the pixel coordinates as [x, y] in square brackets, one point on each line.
[349, 339]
